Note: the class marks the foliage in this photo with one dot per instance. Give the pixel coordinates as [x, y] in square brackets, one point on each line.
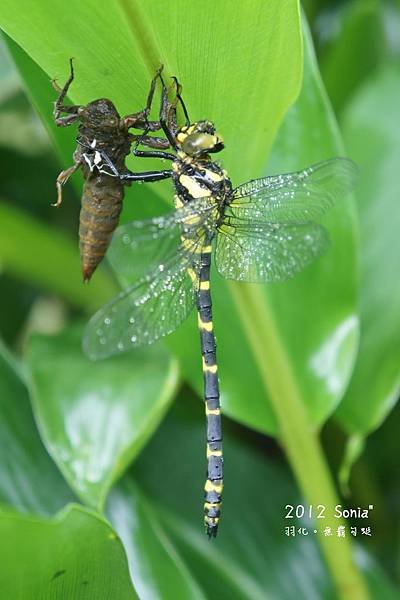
[291, 354]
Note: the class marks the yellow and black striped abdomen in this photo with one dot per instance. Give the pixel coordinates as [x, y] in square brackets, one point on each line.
[214, 483]
[194, 180]
[100, 211]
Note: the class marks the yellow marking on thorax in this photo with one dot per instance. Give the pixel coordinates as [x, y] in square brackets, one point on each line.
[206, 325]
[184, 158]
[209, 368]
[212, 175]
[204, 285]
[193, 187]
[206, 249]
[213, 452]
[213, 487]
[213, 411]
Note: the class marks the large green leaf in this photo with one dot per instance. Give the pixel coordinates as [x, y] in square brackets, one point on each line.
[42, 96]
[315, 313]
[374, 141]
[179, 37]
[76, 555]
[47, 259]
[251, 557]
[255, 62]
[260, 95]
[356, 51]
[157, 568]
[29, 479]
[40, 92]
[95, 418]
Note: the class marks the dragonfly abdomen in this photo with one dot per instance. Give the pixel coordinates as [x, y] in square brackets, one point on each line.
[214, 483]
[100, 211]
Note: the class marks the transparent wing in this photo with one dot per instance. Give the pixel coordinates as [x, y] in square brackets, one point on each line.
[149, 309]
[141, 246]
[268, 252]
[293, 197]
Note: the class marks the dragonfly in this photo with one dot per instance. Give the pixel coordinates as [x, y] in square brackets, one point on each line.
[264, 230]
[103, 133]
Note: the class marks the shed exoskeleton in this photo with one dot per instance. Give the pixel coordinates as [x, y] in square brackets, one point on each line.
[102, 132]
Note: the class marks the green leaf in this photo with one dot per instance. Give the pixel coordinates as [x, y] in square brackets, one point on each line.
[41, 94]
[96, 417]
[29, 480]
[333, 335]
[358, 50]
[251, 557]
[76, 555]
[315, 314]
[47, 259]
[157, 568]
[148, 35]
[254, 61]
[374, 141]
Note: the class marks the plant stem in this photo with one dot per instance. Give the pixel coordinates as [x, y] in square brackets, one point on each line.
[297, 435]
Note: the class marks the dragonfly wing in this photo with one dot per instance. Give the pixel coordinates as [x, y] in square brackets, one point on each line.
[149, 309]
[141, 246]
[294, 197]
[268, 252]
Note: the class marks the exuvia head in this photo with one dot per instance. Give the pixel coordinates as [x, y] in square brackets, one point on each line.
[99, 114]
[199, 139]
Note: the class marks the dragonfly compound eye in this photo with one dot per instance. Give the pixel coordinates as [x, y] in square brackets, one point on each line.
[197, 144]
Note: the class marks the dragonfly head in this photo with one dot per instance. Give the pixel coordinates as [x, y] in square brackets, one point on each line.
[199, 139]
[100, 115]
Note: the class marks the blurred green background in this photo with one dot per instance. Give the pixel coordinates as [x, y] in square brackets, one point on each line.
[102, 463]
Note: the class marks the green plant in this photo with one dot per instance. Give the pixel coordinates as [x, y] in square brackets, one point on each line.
[287, 351]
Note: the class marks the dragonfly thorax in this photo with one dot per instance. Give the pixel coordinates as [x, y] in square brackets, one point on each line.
[100, 115]
[196, 178]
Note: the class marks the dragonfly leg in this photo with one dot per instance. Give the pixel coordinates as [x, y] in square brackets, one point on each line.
[167, 122]
[149, 141]
[62, 179]
[154, 154]
[59, 107]
[152, 142]
[179, 97]
[139, 120]
[146, 176]
[69, 119]
[168, 115]
[108, 168]
[168, 118]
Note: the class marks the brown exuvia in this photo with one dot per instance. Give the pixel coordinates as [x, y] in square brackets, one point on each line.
[103, 143]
